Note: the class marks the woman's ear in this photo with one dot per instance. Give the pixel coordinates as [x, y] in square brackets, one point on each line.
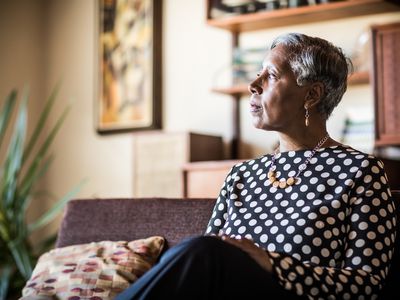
[314, 94]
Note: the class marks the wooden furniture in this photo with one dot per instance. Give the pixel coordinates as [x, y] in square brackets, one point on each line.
[205, 179]
[159, 157]
[283, 17]
[386, 83]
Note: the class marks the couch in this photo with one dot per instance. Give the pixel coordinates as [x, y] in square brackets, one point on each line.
[92, 220]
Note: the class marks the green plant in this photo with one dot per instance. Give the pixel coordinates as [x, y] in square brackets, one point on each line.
[23, 163]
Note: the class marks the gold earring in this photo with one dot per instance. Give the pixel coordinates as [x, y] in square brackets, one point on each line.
[307, 115]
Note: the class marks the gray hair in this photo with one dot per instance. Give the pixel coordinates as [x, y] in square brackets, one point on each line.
[314, 59]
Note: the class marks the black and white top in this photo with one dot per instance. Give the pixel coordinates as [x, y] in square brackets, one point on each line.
[329, 236]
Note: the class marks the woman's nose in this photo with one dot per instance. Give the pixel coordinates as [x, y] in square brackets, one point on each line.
[255, 88]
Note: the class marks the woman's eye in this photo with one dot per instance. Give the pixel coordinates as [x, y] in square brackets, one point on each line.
[258, 74]
[272, 76]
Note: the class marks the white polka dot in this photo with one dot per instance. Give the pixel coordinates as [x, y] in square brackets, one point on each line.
[325, 175]
[347, 162]
[257, 230]
[335, 204]
[306, 249]
[287, 247]
[331, 182]
[375, 170]
[310, 195]
[365, 163]
[242, 229]
[274, 229]
[356, 260]
[217, 222]
[252, 222]
[300, 222]
[280, 238]
[307, 173]
[264, 238]
[308, 231]
[257, 190]
[330, 161]
[297, 239]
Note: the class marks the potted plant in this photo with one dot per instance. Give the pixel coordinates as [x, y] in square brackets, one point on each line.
[23, 162]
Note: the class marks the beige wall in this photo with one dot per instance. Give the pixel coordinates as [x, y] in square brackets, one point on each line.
[21, 49]
[45, 41]
[80, 152]
[22, 41]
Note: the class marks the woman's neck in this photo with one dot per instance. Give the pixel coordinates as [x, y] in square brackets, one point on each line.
[305, 140]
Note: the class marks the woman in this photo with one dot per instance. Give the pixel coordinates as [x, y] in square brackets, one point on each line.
[314, 220]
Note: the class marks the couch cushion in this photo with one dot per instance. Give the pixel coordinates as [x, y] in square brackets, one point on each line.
[92, 271]
[92, 220]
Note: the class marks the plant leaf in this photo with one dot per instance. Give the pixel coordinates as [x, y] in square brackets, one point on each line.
[22, 257]
[56, 208]
[12, 165]
[42, 121]
[5, 275]
[32, 176]
[6, 113]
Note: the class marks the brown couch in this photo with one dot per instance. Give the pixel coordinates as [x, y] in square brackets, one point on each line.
[92, 220]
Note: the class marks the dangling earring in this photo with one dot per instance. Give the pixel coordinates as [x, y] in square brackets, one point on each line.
[306, 116]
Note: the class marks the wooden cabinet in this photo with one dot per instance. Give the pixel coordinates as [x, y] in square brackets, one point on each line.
[159, 157]
[289, 16]
[386, 83]
[205, 179]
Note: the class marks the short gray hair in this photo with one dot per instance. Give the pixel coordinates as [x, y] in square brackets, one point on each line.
[314, 59]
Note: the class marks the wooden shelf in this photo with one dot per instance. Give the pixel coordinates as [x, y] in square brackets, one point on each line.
[301, 15]
[356, 78]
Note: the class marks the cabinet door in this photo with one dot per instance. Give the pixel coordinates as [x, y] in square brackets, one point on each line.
[386, 83]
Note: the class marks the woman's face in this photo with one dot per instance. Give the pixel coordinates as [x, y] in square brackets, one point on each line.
[277, 102]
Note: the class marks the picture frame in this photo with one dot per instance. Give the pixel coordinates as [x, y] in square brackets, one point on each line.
[129, 66]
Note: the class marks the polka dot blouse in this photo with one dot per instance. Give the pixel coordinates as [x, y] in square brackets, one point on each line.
[329, 236]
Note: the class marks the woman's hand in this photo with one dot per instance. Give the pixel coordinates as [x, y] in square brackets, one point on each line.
[255, 252]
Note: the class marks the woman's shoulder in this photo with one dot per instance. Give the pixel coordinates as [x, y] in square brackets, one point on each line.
[252, 163]
[357, 155]
[363, 165]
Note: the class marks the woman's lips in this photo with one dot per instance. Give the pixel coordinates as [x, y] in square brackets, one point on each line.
[255, 107]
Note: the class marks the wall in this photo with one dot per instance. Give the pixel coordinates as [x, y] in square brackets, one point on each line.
[22, 58]
[105, 161]
[50, 40]
[21, 40]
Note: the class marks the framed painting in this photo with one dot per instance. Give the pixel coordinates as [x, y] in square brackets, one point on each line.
[129, 89]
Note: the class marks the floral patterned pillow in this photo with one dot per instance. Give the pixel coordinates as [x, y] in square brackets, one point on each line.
[94, 271]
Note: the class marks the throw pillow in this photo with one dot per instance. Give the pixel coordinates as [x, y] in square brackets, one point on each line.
[94, 271]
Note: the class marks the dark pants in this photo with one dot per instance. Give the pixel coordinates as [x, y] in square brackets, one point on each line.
[206, 268]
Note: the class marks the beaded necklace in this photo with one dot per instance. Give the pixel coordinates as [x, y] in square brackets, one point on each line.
[284, 183]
